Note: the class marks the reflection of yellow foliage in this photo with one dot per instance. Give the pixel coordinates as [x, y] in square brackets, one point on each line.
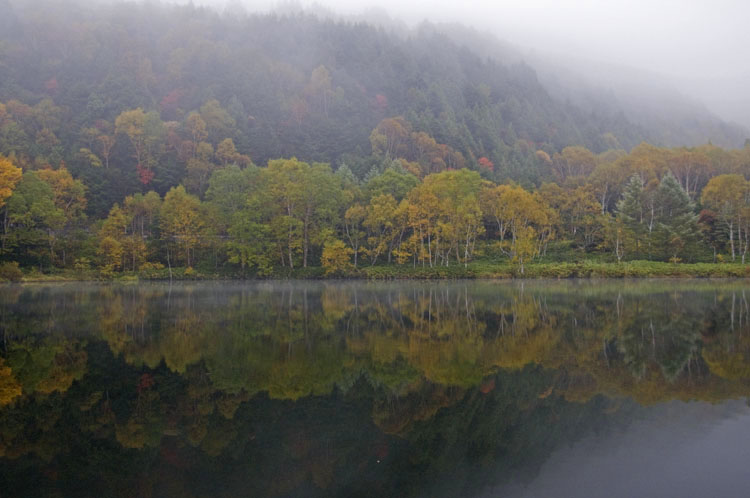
[110, 318]
[336, 302]
[516, 351]
[298, 341]
[546, 393]
[217, 439]
[303, 374]
[731, 366]
[382, 348]
[67, 367]
[131, 435]
[396, 415]
[580, 389]
[228, 404]
[92, 400]
[10, 389]
[182, 346]
[453, 362]
[197, 432]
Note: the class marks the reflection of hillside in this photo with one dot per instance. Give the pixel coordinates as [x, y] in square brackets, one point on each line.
[262, 338]
[291, 342]
[441, 372]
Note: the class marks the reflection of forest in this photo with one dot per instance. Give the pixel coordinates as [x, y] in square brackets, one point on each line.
[348, 388]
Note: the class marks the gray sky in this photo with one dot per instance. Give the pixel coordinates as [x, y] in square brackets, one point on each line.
[701, 46]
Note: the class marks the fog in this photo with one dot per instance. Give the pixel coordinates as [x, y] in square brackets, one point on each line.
[698, 47]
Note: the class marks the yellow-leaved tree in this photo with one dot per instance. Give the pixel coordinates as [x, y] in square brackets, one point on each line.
[182, 221]
[10, 388]
[10, 175]
[523, 220]
[445, 216]
[336, 257]
[727, 196]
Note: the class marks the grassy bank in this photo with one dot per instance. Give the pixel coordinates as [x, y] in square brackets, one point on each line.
[485, 270]
[633, 269]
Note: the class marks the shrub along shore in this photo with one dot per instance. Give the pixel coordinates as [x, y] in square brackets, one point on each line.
[475, 270]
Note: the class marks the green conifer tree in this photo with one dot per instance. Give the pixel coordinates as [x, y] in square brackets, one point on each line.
[630, 210]
[676, 232]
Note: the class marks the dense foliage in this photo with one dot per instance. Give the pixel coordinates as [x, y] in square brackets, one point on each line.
[145, 136]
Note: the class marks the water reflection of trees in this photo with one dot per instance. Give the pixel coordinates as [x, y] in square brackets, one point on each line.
[295, 340]
[454, 370]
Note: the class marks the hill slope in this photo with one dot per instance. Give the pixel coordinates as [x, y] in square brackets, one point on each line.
[280, 86]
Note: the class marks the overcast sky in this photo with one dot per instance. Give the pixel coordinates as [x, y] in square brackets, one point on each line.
[700, 45]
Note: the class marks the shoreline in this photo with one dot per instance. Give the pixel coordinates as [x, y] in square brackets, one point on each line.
[477, 270]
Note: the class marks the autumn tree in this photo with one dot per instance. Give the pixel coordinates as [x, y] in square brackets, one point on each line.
[143, 211]
[379, 222]
[319, 88]
[219, 123]
[132, 124]
[182, 222]
[244, 205]
[513, 210]
[578, 213]
[691, 169]
[200, 168]
[574, 161]
[607, 181]
[111, 236]
[230, 188]
[69, 193]
[390, 138]
[354, 218]
[10, 175]
[146, 134]
[69, 197]
[308, 197]
[336, 257]
[196, 129]
[34, 217]
[617, 237]
[459, 213]
[250, 241]
[99, 140]
[393, 181]
[227, 153]
[525, 246]
[729, 197]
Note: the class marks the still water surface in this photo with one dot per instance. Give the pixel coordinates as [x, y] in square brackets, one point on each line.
[292, 389]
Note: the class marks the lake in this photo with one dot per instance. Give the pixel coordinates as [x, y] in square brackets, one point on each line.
[343, 389]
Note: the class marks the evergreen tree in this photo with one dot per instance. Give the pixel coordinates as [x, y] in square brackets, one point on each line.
[676, 229]
[631, 211]
[346, 175]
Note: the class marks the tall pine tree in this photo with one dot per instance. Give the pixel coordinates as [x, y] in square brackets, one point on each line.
[676, 231]
[631, 212]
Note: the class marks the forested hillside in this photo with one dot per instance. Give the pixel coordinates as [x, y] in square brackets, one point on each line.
[137, 135]
[283, 85]
[665, 116]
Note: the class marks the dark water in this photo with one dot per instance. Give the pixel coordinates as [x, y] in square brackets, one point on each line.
[573, 389]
